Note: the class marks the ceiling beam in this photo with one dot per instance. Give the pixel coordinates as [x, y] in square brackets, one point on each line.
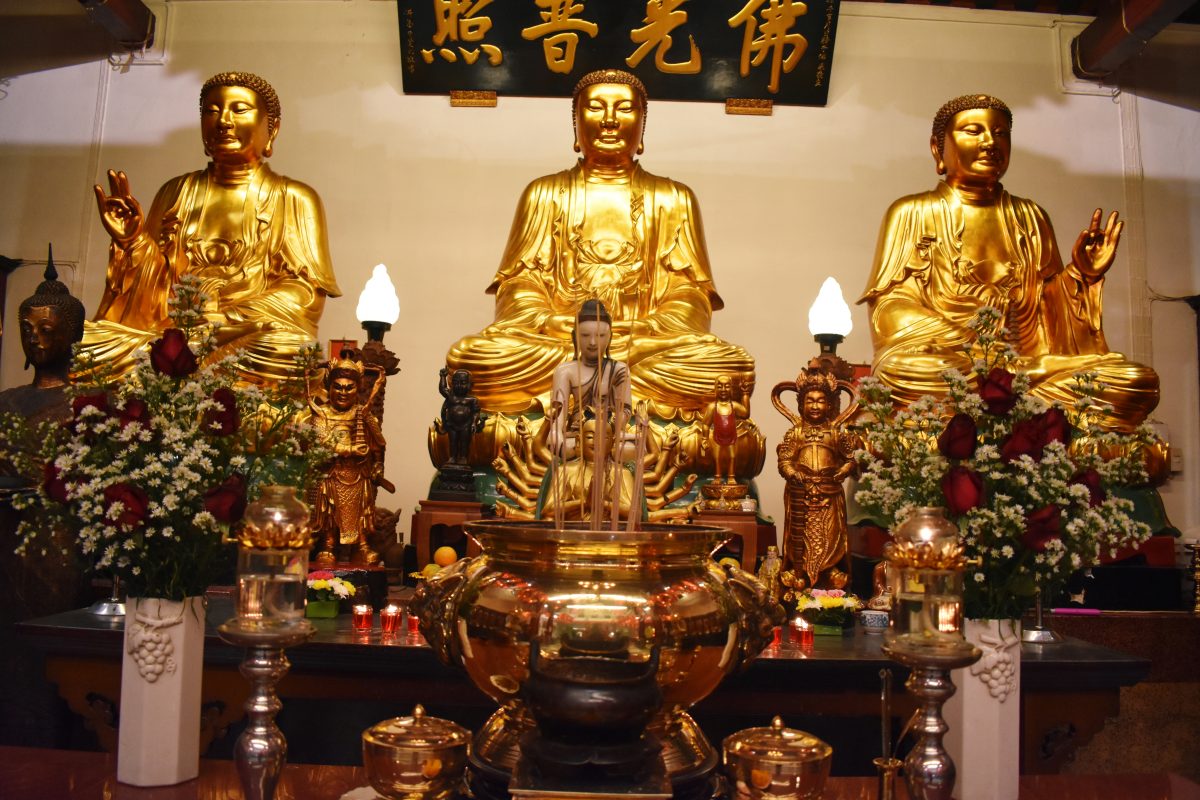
[1120, 32]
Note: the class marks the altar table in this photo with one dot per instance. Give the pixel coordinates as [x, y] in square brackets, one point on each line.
[33, 774]
[342, 682]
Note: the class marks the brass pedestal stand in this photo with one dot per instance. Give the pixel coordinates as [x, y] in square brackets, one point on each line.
[928, 769]
[261, 750]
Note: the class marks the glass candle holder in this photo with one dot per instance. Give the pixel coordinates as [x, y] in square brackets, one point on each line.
[389, 620]
[925, 572]
[363, 617]
[414, 624]
[273, 544]
[804, 632]
[271, 586]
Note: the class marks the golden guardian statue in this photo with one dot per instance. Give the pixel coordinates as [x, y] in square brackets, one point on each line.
[343, 500]
[256, 239]
[816, 457]
[968, 243]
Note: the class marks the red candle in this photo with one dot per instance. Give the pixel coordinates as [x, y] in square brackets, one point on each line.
[414, 623]
[389, 620]
[363, 618]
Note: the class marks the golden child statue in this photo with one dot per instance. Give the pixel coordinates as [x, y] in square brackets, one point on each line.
[604, 229]
[945, 253]
[720, 420]
[257, 240]
[816, 457]
[343, 501]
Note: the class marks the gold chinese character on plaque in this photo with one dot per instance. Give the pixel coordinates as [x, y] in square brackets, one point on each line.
[559, 25]
[767, 33]
[662, 17]
[460, 21]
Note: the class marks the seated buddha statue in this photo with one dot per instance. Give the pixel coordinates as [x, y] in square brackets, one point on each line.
[604, 229]
[945, 253]
[256, 239]
[51, 321]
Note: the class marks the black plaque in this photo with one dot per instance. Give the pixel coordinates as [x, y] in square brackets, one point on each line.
[714, 50]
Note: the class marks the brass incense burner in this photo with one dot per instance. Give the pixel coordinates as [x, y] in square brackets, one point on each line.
[586, 594]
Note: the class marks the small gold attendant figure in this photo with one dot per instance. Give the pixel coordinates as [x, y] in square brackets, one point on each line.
[721, 427]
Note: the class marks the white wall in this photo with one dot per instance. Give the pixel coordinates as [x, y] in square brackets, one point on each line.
[787, 199]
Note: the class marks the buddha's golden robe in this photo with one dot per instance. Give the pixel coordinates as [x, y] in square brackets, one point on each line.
[658, 285]
[277, 274]
[923, 292]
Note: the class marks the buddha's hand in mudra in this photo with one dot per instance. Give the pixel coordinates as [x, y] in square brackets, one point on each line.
[120, 212]
[1096, 247]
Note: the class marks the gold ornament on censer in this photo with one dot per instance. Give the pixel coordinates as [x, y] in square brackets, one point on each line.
[256, 239]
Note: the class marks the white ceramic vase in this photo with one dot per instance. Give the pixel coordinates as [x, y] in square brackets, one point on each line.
[984, 714]
[162, 669]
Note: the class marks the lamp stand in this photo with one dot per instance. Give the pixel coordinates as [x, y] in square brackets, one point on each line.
[929, 771]
[261, 750]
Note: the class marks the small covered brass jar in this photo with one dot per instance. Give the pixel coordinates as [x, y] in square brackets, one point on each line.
[415, 758]
[776, 762]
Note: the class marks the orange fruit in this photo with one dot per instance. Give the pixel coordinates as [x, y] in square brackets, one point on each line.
[444, 556]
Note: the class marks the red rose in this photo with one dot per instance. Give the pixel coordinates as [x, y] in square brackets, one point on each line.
[1025, 440]
[1091, 479]
[134, 504]
[227, 502]
[963, 490]
[96, 401]
[1054, 426]
[135, 410]
[224, 419]
[997, 392]
[171, 355]
[53, 483]
[958, 439]
[1041, 527]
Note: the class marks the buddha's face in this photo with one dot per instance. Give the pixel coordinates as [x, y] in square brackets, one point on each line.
[234, 125]
[724, 389]
[976, 147]
[592, 336]
[816, 406]
[608, 122]
[343, 393]
[461, 383]
[588, 444]
[44, 336]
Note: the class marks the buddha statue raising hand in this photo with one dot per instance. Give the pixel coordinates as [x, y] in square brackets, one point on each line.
[256, 239]
[943, 254]
[604, 229]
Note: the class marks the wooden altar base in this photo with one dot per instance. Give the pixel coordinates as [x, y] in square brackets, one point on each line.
[754, 537]
[440, 522]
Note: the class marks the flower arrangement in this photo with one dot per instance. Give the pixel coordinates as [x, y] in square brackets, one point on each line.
[1029, 484]
[152, 471]
[324, 586]
[829, 607]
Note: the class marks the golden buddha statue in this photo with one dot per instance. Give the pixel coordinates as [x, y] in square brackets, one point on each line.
[256, 239]
[609, 230]
[945, 253]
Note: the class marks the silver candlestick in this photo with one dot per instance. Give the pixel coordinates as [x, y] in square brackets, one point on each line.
[261, 750]
[929, 771]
